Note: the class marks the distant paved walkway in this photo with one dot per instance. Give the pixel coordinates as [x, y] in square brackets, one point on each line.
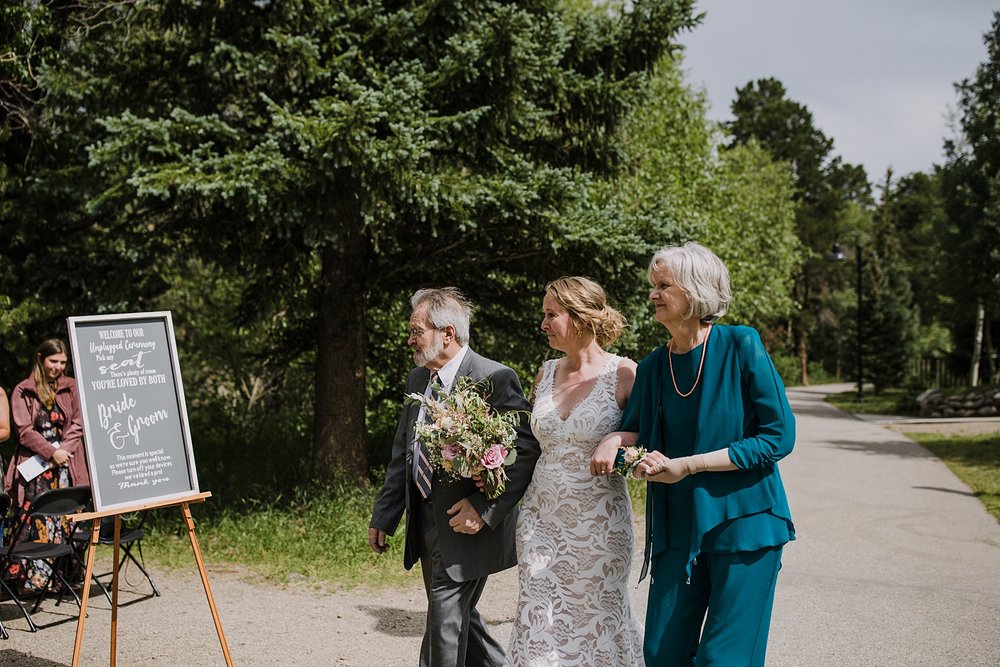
[896, 565]
[896, 562]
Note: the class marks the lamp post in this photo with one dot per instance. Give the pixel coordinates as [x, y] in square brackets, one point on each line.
[838, 255]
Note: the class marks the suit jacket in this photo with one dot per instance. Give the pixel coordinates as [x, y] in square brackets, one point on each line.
[465, 557]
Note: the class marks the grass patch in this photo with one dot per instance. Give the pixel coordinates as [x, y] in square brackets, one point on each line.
[890, 402]
[974, 459]
[637, 493]
[321, 534]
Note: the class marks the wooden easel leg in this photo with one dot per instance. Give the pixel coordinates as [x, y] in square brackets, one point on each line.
[94, 537]
[189, 522]
[114, 592]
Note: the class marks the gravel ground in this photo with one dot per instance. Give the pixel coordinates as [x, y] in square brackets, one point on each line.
[264, 624]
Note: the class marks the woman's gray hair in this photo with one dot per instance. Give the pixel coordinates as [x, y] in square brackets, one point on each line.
[700, 274]
[445, 305]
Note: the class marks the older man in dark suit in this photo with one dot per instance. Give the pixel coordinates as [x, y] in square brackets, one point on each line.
[459, 536]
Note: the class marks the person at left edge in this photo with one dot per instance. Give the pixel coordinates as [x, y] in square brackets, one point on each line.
[4, 416]
[458, 535]
[45, 408]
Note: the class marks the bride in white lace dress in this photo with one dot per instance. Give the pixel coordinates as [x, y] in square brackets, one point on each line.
[574, 534]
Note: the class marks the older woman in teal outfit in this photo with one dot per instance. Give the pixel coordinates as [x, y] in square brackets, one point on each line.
[710, 407]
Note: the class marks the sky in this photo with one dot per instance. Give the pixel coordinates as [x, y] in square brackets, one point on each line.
[877, 75]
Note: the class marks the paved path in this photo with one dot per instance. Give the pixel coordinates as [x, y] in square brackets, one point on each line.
[896, 565]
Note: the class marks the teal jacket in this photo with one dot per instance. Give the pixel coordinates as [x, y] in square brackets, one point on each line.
[742, 406]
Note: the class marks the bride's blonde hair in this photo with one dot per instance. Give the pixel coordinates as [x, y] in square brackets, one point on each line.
[588, 308]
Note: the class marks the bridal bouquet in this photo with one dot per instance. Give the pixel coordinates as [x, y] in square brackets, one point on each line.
[465, 437]
[627, 459]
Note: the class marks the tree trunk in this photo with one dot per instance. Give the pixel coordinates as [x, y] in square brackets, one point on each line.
[803, 355]
[340, 443]
[800, 292]
[991, 359]
[977, 345]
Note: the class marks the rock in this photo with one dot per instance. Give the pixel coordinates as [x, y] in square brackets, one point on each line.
[969, 402]
[931, 395]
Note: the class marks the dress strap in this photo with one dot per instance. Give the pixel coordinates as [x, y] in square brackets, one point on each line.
[609, 374]
[547, 382]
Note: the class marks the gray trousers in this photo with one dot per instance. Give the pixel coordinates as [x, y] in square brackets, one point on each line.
[456, 635]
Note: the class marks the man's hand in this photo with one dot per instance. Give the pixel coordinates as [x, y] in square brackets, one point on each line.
[376, 540]
[465, 518]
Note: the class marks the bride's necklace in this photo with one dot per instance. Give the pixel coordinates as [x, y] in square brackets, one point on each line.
[701, 364]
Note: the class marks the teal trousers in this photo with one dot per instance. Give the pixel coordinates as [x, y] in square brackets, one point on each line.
[720, 618]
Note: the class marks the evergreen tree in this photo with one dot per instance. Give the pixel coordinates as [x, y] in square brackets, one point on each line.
[214, 153]
[889, 319]
[358, 150]
[922, 226]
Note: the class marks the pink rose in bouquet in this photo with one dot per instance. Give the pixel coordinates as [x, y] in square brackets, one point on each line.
[494, 457]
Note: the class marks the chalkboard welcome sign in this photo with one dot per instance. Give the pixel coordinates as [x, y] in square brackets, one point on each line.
[134, 416]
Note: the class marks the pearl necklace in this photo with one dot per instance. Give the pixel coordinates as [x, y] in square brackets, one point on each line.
[701, 364]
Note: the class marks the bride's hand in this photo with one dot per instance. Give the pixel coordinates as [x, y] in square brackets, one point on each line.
[603, 460]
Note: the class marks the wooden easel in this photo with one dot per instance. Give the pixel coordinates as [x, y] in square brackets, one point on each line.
[184, 503]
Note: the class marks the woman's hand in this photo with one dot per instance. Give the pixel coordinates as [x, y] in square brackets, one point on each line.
[656, 467]
[649, 465]
[671, 472]
[603, 460]
[60, 457]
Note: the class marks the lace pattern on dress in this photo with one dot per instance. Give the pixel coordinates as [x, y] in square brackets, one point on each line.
[574, 540]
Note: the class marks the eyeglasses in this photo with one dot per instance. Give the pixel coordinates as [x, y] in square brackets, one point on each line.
[417, 333]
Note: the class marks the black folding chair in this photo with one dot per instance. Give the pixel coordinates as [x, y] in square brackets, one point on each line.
[55, 503]
[128, 538]
[5, 502]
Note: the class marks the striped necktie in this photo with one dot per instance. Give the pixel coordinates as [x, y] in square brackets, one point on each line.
[423, 471]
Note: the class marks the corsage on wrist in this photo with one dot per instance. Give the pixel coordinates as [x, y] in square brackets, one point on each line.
[627, 459]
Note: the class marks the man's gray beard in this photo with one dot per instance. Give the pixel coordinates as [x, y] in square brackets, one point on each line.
[422, 357]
